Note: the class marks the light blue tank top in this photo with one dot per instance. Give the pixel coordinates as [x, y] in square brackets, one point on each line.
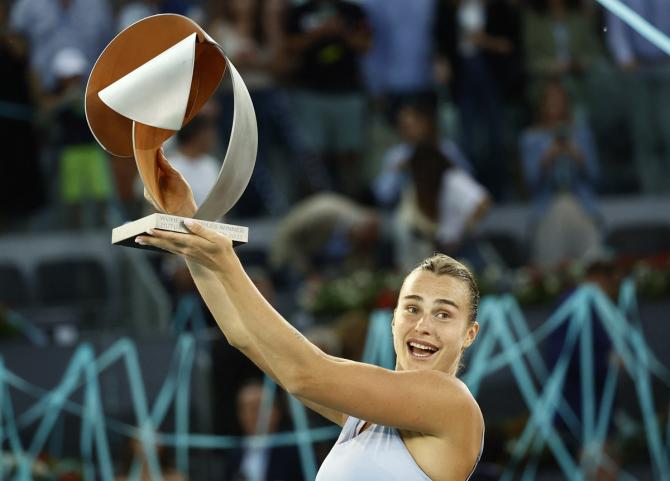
[376, 454]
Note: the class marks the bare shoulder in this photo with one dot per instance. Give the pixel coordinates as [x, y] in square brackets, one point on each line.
[453, 453]
[463, 420]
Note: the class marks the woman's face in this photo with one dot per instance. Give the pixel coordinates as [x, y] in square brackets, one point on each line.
[413, 126]
[431, 325]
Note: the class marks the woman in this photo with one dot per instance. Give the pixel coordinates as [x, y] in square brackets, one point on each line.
[418, 422]
[561, 169]
[559, 153]
[439, 209]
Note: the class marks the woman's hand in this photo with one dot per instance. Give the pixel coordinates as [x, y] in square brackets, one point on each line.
[204, 246]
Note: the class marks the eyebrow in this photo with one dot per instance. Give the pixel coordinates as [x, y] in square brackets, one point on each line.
[448, 302]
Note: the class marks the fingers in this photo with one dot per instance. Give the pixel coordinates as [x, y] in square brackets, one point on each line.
[178, 239]
[201, 231]
[175, 242]
[148, 240]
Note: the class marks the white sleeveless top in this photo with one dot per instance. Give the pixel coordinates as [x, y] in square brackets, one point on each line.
[376, 454]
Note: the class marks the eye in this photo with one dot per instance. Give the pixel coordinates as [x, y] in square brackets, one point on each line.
[442, 315]
[412, 309]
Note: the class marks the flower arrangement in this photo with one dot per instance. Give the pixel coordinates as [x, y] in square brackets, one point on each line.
[365, 290]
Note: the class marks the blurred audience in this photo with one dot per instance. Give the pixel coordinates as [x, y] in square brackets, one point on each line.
[647, 88]
[439, 210]
[260, 463]
[417, 125]
[399, 64]
[559, 42]
[327, 39]
[326, 233]
[561, 169]
[81, 167]
[22, 188]
[478, 44]
[53, 25]
[251, 34]
[135, 10]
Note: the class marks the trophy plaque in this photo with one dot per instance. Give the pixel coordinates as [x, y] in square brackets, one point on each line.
[150, 81]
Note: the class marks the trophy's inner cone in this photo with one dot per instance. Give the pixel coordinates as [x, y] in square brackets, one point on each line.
[147, 140]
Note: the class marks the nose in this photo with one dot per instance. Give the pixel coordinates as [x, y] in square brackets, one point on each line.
[423, 324]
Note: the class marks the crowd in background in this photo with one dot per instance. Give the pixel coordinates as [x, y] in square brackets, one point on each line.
[429, 111]
[388, 129]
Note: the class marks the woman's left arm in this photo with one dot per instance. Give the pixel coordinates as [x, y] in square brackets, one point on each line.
[425, 401]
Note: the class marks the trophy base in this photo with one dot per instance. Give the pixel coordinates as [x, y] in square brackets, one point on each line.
[125, 235]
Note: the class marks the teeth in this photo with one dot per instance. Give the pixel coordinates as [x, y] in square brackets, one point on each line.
[422, 346]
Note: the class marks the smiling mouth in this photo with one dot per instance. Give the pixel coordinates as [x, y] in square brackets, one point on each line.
[419, 350]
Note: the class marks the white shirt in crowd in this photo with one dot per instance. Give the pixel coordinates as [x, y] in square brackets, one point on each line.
[200, 172]
[460, 197]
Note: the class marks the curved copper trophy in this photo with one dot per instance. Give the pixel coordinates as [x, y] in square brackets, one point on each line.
[149, 82]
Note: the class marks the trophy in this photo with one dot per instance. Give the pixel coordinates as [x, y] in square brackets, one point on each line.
[148, 83]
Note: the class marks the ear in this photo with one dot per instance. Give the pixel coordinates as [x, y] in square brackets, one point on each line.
[471, 334]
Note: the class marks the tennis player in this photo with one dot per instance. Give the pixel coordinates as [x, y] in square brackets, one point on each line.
[417, 422]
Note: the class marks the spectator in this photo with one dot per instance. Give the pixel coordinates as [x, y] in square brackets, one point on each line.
[439, 211]
[559, 42]
[328, 37]
[417, 124]
[400, 63]
[53, 25]
[325, 230]
[251, 34]
[251, 463]
[647, 88]
[85, 183]
[561, 169]
[479, 45]
[22, 190]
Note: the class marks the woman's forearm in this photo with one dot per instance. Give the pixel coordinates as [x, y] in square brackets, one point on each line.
[227, 318]
[282, 346]
[219, 304]
[236, 332]
[240, 311]
[279, 343]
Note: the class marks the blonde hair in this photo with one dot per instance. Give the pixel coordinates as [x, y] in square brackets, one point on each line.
[442, 264]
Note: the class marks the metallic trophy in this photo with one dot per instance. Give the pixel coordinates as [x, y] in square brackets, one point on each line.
[149, 82]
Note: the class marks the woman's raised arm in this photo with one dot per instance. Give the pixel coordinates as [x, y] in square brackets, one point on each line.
[429, 402]
[230, 323]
